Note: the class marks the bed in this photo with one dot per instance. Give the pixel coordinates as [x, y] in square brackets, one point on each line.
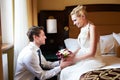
[107, 19]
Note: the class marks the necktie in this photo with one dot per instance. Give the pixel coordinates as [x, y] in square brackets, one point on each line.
[39, 63]
[39, 56]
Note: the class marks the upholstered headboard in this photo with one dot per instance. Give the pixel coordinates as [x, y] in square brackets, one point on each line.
[105, 16]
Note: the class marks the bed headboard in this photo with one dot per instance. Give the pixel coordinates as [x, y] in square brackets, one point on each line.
[105, 16]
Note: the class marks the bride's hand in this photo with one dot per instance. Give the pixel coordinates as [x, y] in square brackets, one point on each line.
[71, 57]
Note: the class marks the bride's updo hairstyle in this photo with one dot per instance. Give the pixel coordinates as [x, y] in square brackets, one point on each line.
[80, 10]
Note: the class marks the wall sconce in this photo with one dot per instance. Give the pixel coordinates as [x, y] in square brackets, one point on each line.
[51, 25]
[66, 28]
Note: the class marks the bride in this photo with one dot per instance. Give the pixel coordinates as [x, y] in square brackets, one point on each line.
[87, 57]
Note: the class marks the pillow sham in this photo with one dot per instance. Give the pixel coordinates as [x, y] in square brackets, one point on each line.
[108, 44]
[71, 44]
[117, 37]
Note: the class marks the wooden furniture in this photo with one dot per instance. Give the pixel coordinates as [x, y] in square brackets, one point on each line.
[8, 48]
[54, 41]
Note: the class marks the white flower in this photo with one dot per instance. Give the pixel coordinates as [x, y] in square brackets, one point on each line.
[63, 53]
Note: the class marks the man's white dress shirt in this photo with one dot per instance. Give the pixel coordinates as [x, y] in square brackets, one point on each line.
[28, 65]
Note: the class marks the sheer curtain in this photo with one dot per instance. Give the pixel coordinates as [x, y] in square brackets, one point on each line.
[20, 27]
[7, 21]
[25, 16]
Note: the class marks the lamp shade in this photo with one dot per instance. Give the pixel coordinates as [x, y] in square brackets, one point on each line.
[51, 26]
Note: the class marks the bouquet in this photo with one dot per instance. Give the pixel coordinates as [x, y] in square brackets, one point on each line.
[63, 53]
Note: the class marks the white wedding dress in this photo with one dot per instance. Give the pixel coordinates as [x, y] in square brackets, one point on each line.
[75, 71]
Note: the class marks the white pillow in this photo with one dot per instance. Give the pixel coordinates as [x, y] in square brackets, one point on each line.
[108, 44]
[71, 44]
[117, 37]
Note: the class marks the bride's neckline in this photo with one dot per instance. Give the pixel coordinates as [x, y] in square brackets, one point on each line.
[88, 24]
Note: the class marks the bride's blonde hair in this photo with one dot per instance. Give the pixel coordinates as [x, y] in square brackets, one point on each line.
[80, 10]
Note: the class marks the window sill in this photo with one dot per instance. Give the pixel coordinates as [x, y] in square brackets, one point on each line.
[6, 46]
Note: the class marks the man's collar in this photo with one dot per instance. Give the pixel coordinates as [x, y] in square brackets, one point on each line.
[33, 44]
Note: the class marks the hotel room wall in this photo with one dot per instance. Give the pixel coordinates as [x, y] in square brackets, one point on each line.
[60, 4]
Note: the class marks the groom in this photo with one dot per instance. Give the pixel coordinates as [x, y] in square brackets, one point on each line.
[28, 63]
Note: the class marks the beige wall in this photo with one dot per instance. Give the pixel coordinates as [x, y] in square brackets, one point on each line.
[60, 4]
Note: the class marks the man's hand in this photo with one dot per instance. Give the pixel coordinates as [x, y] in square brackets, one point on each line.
[69, 60]
[65, 63]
